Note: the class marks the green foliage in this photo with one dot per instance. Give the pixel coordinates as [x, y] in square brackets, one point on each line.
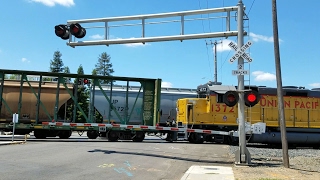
[56, 64]
[83, 95]
[104, 67]
[98, 116]
[14, 77]
[67, 71]
[46, 79]
[94, 72]
[80, 70]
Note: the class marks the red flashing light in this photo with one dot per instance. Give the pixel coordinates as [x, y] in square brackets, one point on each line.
[77, 30]
[251, 98]
[231, 98]
[85, 81]
[62, 31]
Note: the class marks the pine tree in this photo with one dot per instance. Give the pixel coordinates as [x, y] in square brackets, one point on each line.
[83, 96]
[56, 64]
[67, 71]
[80, 70]
[104, 67]
[94, 72]
[14, 77]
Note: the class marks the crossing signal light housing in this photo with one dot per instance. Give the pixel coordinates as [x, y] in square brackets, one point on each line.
[79, 81]
[231, 98]
[251, 98]
[62, 31]
[77, 30]
[86, 81]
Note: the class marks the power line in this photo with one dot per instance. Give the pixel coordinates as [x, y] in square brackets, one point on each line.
[208, 58]
[208, 17]
[201, 16]
[251, 6]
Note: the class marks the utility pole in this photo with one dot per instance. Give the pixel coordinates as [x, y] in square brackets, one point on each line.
[242, 156]
[215, 60]
[279, 87]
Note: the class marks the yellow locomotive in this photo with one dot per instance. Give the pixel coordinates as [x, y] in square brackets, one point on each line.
[211, 111]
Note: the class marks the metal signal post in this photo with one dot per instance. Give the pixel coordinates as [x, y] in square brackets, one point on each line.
[242, 156]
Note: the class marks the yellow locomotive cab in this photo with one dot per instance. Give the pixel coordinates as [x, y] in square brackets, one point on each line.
[208, 111]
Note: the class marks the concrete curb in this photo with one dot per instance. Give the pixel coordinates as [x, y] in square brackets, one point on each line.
[22, 139]
[10, 142]
[197, 172]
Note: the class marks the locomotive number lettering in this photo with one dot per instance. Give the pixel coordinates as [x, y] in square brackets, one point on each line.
[204, 89]
[222, 108]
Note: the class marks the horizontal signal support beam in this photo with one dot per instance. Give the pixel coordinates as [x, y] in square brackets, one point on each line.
[155, 39]
[159, 15]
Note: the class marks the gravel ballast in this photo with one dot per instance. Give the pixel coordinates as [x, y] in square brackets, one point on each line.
[267, 163]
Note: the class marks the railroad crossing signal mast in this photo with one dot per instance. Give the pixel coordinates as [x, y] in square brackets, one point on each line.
[242, 155]
[73, 27]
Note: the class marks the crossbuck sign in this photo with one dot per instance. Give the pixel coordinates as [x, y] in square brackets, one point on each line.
[240, 52]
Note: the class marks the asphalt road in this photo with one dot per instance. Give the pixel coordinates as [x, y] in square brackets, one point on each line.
[80, 158]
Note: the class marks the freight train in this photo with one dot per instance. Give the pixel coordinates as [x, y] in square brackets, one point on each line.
[125, 105]
[209, 111]
[202, 108]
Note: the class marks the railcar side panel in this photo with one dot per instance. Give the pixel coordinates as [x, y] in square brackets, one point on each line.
[11, 93]
[167, 111]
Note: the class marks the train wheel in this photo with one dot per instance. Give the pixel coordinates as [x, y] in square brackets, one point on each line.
[195, 138]
[227, 140]
[39, 134]
[92, 134]
[64, 134]
[169, 137]
[113, 136]
[190, 139]
[139, 137]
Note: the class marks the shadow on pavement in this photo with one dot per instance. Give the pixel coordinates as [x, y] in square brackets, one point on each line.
[160, 156]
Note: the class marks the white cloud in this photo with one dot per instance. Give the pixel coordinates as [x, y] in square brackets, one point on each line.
[315, 85]
[52, 3]
[223, 45]
[25, 60]
[257, 37]
[97, 36]
[263, 76]
[166, 84]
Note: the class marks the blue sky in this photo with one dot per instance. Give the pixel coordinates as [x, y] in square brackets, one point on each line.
[28, 40]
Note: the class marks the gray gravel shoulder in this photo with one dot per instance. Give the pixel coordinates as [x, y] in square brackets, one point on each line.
[267, 163]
